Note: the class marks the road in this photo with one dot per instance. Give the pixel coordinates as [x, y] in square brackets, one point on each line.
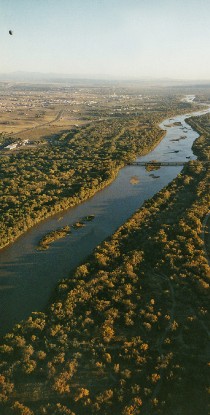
[58, 116]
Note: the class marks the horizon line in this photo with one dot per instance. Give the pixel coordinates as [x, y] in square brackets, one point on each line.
[100, 76]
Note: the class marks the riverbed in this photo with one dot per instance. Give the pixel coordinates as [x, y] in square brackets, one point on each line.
[28, 276]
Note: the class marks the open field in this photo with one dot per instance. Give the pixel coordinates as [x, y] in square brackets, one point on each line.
[127, 332]
[54, 167]
[36, 113]
[40, 112]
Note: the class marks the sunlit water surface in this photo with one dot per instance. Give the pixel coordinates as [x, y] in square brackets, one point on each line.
[28, 276]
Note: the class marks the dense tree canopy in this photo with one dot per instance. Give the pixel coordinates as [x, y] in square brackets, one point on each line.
[38, 182]
[128, 332]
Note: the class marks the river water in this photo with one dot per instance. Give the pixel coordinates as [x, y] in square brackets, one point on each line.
[28, 276]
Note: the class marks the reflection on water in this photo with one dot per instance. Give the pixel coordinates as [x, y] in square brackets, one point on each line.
[27, 276]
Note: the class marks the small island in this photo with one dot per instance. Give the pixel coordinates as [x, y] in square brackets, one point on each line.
[53, 236]
[134, 180]
[152, 165]
[79, 224]
[175, 124]
[154, 176]
[88, 218]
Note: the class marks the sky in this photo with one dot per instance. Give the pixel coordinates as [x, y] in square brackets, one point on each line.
[125, 39]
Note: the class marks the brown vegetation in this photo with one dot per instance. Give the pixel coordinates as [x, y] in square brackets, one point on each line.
[128, 332]
[65, 172]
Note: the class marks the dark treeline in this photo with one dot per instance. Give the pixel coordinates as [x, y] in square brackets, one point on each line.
[37, 183]
[128, 332]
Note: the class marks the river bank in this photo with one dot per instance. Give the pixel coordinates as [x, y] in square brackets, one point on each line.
[28, 198]
[28, 276]
[128, 331]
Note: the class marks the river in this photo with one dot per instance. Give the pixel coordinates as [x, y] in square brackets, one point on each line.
[28, 276]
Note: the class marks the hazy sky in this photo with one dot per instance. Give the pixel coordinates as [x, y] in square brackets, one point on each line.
[125, 38]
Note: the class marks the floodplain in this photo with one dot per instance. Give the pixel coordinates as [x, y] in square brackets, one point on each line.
[127, 330]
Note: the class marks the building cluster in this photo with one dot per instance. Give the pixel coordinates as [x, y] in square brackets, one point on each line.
[17, 144]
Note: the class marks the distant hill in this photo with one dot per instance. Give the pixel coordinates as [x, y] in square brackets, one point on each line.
[22, 76]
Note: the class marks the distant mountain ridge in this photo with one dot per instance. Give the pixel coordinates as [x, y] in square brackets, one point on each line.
[24, 76]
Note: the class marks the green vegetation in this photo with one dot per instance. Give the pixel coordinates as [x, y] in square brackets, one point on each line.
[128, 332]
[53, 236]
[88, 218]
[78, 225]
[134, 180]
[207, 237]
[151, 166]
[39, 182]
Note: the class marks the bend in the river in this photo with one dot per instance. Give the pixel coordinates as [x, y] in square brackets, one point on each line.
[28, 276]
